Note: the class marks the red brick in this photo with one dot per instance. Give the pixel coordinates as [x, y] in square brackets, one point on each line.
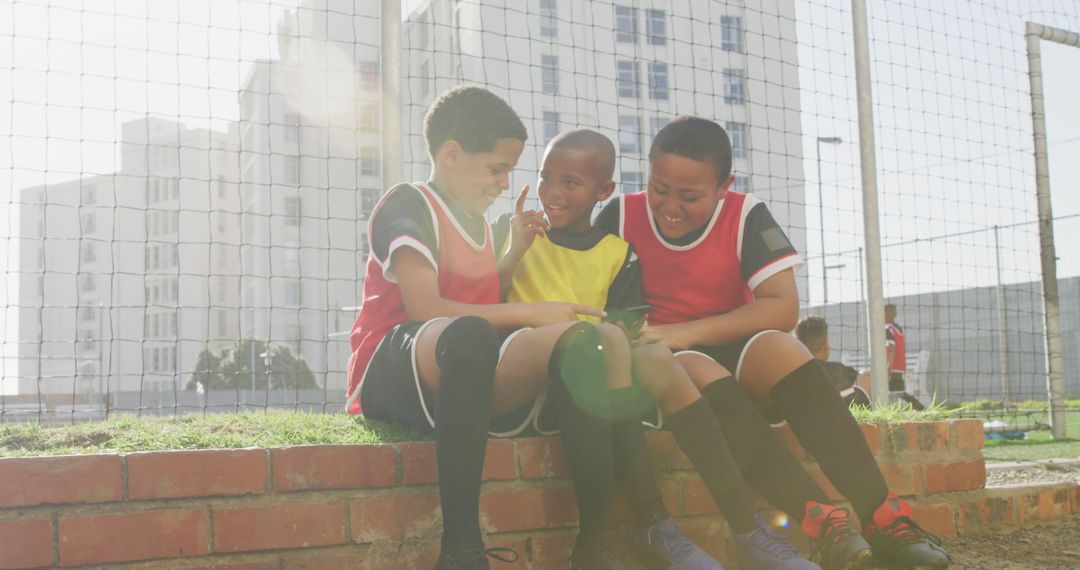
[872, 433]
[206, 473]
[935, 478]
[499, 464]
[927, 436]
[792, 442]
[96, 539]
[56, 480]
[418, 463]
[280, 526]
[395, 518]
[968, 434]
[546, 507]
[697, 499]
[26, 543]
[672, 492]
[309, 467]
[937, 519]
[902, 479]
[987, 512]
[358, 558]
[551, 550]
[542, 457]
[966, 475]
[665, 453]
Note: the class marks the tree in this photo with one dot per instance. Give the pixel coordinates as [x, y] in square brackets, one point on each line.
[232, 370]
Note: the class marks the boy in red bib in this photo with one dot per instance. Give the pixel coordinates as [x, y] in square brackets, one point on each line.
[719, 274]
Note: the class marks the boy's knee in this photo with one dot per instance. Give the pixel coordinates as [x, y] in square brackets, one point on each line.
[469, 340]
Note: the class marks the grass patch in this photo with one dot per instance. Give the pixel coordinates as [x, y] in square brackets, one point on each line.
[1037, 444]
[218, 431]
[899, 412]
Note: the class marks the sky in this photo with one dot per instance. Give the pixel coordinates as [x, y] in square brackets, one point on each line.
[953, 122]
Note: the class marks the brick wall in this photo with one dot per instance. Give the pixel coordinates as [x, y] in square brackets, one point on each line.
[375, 506]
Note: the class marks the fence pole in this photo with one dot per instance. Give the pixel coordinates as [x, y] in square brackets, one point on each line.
[393, 163]
[1003, 324]
[1055, 365]
[879, 386]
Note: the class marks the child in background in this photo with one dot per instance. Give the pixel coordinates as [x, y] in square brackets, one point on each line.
[853, 387]
[580, 263]
[719, 273]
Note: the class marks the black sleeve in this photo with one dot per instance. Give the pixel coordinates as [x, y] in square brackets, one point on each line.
[840, 375]
[608, 218]
[500, 234]
[889, 338]
[764, 242]
[625, 290]
[404, 218]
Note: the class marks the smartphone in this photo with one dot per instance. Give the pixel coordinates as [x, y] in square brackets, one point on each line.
[632, 318]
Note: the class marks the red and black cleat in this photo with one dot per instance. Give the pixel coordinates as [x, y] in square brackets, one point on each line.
[898, 542]
[837, 542]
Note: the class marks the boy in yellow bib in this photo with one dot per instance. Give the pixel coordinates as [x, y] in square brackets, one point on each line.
[574, 261]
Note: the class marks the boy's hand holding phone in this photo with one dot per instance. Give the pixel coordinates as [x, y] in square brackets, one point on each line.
[630, 319]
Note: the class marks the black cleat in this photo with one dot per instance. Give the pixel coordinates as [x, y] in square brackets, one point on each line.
[837, 543]
[899, 542]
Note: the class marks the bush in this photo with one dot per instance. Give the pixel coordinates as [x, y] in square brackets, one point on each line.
[275, 366]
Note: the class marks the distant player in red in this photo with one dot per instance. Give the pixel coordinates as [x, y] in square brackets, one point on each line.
[897, 349]
[719, 274]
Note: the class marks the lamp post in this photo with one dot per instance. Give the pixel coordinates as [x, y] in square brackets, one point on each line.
[824, 281]
[821, 213]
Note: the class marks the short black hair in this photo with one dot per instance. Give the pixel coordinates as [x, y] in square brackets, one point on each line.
[813, 331]
[586, 139]
[474, 117]
[698, 139]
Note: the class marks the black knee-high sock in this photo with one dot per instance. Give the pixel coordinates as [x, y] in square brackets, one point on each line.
[579, 398]
[764, 460]
[467, 352]
[700, 436]
[632, 465]
[824, 426]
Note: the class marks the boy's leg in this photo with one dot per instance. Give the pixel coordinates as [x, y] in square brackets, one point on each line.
[776, 368]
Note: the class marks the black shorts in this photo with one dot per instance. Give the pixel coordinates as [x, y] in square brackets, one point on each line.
[391, 388]
[730, 356]
[896, 382]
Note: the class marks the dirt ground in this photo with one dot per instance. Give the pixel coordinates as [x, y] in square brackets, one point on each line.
[1044, 547]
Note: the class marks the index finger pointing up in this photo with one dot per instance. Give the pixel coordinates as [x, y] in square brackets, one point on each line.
[519, 207]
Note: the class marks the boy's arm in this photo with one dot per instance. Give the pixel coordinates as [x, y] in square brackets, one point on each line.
[419, 284]
[524, 226]
[775, 307]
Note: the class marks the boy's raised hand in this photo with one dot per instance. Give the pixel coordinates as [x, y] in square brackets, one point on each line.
[525, 225]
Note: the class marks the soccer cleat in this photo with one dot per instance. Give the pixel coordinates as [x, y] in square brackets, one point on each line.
[665, 546]
[603, 550]
[837, 544]
[467, 556]
[898, 542]
[766, 550]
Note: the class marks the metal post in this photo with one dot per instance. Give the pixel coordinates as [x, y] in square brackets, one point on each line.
[821, 217]
[1003, 328]
[871, 230]
[1055, 365]
[393, 161]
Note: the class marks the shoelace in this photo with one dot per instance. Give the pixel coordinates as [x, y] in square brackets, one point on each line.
[467, 559]
[673, 541]
[776, 544]
[906, 530]
[834, 528]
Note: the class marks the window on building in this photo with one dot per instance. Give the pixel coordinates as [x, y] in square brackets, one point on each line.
[631, 181]
[89, 196]
[222, 222]
[220, 187]
[369, 161]
[658, 81]
[741, 184]
[739, 144]
[292, 255]
[731, 33]
[222, 323]
[88, 252]
[629, 134]
[657, 123]
[89, 223]
[292, 210]
[549, 74]
[425, 79]
[369, 75]
[292, 293]
[551, 125]
[625, 24]
[369, 117]
[734, 86]
[627, 79]
[368, 199]
[549, 18]
[656, 27]
[291, 122]
[291, 170]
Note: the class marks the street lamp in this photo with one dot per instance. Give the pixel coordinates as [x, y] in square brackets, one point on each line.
[821, 212]
[825, 282]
